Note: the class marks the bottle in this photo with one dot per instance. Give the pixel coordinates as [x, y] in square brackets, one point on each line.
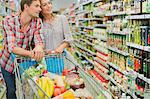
[148, 37]
[123, 96]
[148, 68]
[145, 67]
[128, 97]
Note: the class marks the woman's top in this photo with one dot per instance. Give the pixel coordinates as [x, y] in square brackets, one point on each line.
[57, 32]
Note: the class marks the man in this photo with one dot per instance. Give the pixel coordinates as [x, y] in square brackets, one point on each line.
[19, 32]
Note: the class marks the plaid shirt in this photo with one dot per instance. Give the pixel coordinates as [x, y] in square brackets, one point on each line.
[14, 37]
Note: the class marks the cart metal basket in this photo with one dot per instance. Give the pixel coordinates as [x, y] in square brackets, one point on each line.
[55, 63]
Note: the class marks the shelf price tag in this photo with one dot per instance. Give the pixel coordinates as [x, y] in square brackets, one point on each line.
[146, 93]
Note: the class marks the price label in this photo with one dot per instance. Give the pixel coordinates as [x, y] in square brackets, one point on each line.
[147, 94]
[148, 48]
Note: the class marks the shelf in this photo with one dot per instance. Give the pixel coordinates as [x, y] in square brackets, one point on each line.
[139, 76]
[2, 14]
[87, 42]
[143, 16]
[90, 19]
[87, 2]
[120, 13]
[78, 12]
[77, 33]
[118, 51]
[132, 94]
[143, 78]
[101, 62]
[120, 32]
[101, 73]
[83, 12]
[95, 1]
[115, 14]
[102, 38]
[100, 49]
[80, 26]
[120, 87]
[82, 32]
[2, 91]
[117, 68]
[88, 27]
[92, 53]
[100, 25]
[98, 86]
[145, 48]
[88, 35]
[72, 22]
[85, 57]
[72, 16]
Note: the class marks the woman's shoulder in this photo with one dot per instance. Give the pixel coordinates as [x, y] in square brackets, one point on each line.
[61, 16]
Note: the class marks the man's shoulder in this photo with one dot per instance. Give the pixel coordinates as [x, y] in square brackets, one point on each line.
[9, 19]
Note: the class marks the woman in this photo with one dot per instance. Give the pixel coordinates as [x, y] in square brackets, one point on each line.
[55, 29]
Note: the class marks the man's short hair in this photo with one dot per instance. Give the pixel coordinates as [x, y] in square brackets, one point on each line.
[23, 2]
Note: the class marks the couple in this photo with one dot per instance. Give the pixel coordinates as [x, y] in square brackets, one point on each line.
[23, 29]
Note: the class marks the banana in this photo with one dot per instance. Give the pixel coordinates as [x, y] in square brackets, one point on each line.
[51, 87]
[39, 91]
[47, 85]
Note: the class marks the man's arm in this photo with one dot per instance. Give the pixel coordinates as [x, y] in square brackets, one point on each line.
[23, 52]
[39, 41]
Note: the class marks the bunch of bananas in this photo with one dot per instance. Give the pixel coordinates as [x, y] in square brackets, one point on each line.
[47, 85]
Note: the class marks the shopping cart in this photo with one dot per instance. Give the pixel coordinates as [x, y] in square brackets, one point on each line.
[55, 63]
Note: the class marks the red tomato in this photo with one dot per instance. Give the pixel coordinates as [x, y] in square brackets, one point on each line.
[63, 89]
[57, 92]
[45, 71]
[65, 72]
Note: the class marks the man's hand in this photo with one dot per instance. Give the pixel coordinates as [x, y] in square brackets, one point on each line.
[38, 53]
[48, 51]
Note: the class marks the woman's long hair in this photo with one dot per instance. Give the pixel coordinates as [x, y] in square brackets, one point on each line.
[42, 17]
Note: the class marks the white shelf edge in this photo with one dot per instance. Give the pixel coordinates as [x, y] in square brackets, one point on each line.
[103, 63]
[87, 2]
[100, 25]
[117, 68]
[118, 51]
[143, 16]
[87, 42]
[102, 74]
[115, 13]
[100, 49]
[85, 49]
[145, 48]
[120, 32]
[95, 1]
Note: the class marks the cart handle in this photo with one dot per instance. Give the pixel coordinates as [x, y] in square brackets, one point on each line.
[14, 56]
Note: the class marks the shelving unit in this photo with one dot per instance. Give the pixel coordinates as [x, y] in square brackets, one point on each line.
[111, 25]
[5, 9]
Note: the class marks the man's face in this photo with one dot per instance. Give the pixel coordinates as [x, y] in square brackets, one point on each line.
[34, 9]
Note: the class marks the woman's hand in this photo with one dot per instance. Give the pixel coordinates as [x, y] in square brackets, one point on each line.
[59, 49]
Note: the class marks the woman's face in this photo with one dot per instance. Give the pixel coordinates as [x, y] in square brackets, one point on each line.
[46, 6]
